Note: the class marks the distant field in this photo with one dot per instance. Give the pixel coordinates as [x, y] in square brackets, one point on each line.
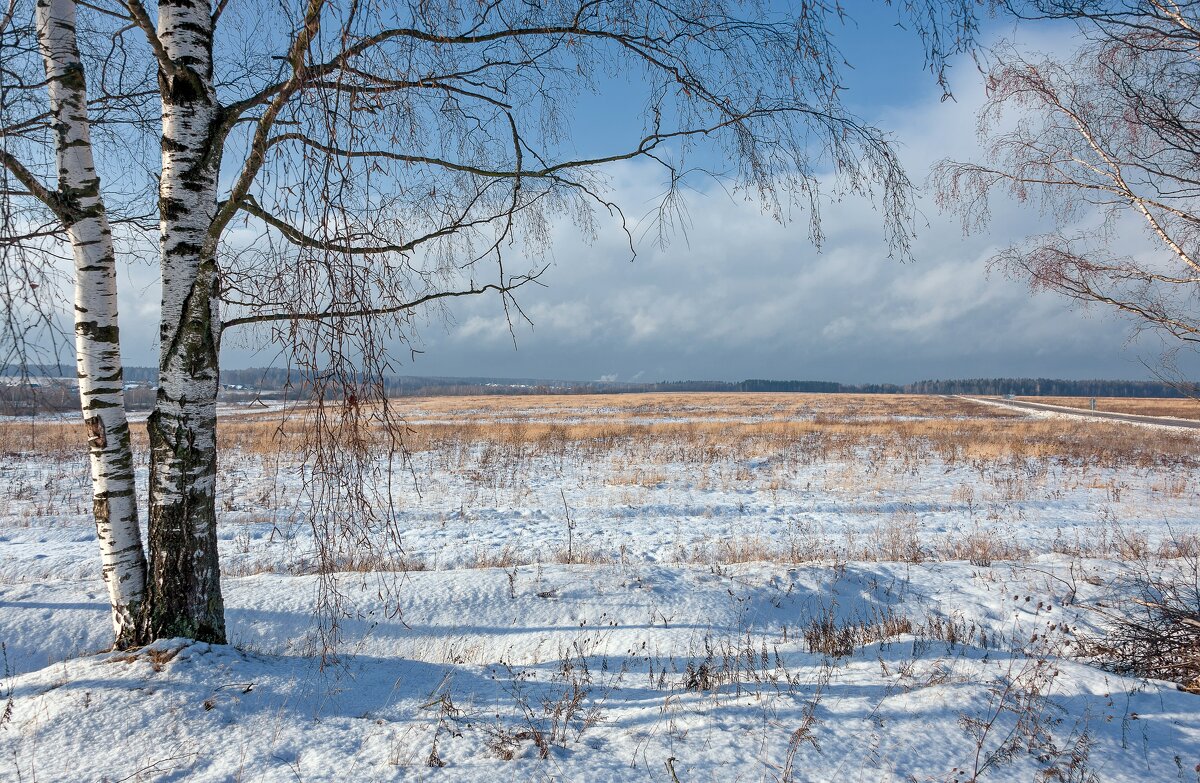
[805, 476]
[704, 428]
[1141, 406]
[697, 406]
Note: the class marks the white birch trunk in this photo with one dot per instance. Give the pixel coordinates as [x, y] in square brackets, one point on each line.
[97, 346]
[185, 592]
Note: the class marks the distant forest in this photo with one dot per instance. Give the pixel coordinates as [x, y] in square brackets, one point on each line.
[1021, 387]
[270, 383]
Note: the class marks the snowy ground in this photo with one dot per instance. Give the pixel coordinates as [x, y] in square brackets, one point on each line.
[867, 608]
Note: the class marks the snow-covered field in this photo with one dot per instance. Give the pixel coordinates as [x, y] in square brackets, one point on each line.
[663, 588]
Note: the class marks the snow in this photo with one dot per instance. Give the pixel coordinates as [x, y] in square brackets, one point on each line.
[1058, 411]
[657, 659]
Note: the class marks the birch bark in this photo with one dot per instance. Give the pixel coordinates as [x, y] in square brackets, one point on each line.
[97, 345]
[185, 591]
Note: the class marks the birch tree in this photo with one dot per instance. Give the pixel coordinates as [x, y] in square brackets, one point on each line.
[1103, 140]
[77, 203]
[329, 170]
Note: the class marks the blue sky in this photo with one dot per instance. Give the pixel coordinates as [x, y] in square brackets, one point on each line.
[742, 296]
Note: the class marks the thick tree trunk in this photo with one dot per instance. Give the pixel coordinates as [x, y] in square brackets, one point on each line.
[97, 347]
[185, 589]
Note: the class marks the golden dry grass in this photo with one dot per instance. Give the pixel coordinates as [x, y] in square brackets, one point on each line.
[707, 405]
[690, 428]
[41, 438]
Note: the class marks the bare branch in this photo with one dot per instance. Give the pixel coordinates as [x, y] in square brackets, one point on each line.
[362, 312]
[297, 53]
[42, 193]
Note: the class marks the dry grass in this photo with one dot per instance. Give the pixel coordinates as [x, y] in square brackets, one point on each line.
[695, 404]
[895, 539]
[641, 430]
[704, 428]
[776, 446]
[51, 439]
[1174, 408]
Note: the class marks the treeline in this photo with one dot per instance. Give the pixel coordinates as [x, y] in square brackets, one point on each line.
[27, 401]
[275, 383]
[1051, 387]
[752, 385]
[146, 375]
[1023, 387]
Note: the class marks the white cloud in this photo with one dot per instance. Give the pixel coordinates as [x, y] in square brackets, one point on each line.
[839, 329]
[745, 297]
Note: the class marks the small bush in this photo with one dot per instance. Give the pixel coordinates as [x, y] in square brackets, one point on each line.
[1157, 633]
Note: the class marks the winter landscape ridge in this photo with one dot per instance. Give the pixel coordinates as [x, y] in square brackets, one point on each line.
[667, 587]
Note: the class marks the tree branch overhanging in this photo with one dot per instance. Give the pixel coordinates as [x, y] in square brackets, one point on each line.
[504, 289]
